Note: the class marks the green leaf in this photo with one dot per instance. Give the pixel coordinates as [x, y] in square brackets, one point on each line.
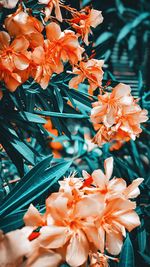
[59, 99]
[26, 181]
[145, 257]
[103, 38]
[141, 236]
[26, 116]
[35, 187]
[120, 6]
[12, 222]
[127, 254]
[62, 115]
[131, 25]
[10, 135]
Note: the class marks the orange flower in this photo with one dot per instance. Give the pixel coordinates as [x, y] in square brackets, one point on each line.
[14, 59]
[85, 19]
[115, 187]
[116, 217]
[50, 5]
[63, 45]
[42, 70]
[109, 106]
[33, 218]
[69, 226]
[117, 116]
[59, 47]
[131, 118]
[90, 70]
[12, 80]
[43, 257]
[86, 215]
[17, 250]
[12, 251]
[14, 55]
[20, 23]
[9, 3]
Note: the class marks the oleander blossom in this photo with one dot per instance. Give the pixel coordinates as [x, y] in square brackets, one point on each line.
[117, 116]
[90, 70]
[87, 216]
[21, 23]
[50, 5]
[88, 212]
[15, 58]
[59, 47]
[84, 20]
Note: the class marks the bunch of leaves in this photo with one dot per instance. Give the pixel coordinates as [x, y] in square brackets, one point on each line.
[23, 115]
[127, 24]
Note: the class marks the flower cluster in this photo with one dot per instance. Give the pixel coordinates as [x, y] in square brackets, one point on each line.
[117, 116]
[87, 217]
[25, 52]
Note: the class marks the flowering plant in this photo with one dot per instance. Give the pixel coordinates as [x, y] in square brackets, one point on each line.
[61, 115]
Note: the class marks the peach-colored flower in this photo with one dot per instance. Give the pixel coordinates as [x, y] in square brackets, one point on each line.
[58, 48]
[63, 46]
[15, 58]
[9, 3]
[116, 187]
[14, 55]
[33, 218]
[20, 23]
[42, 70]
[85, 19]
[117, 216]
[90, 70]
[109, 106]
[70, 226]
[12, 80]
[43, 257]
[117, 116]
[130, 120]
[50, 5]
[14, 246]
[86, 215]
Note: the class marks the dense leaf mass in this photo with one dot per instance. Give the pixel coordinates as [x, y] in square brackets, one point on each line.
[74, 97]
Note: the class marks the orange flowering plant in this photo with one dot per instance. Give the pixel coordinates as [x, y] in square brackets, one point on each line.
[88, 215]
[61, 117]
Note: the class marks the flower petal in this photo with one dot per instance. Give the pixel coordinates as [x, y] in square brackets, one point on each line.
[132, 191]
[43, 257]
[129, 220]
[53, 31]
[77, 250]
[121, 90]
[21, 62]
[20, 44]
[32, 217]
[108, 165]
[53, 236]
[114, 242]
